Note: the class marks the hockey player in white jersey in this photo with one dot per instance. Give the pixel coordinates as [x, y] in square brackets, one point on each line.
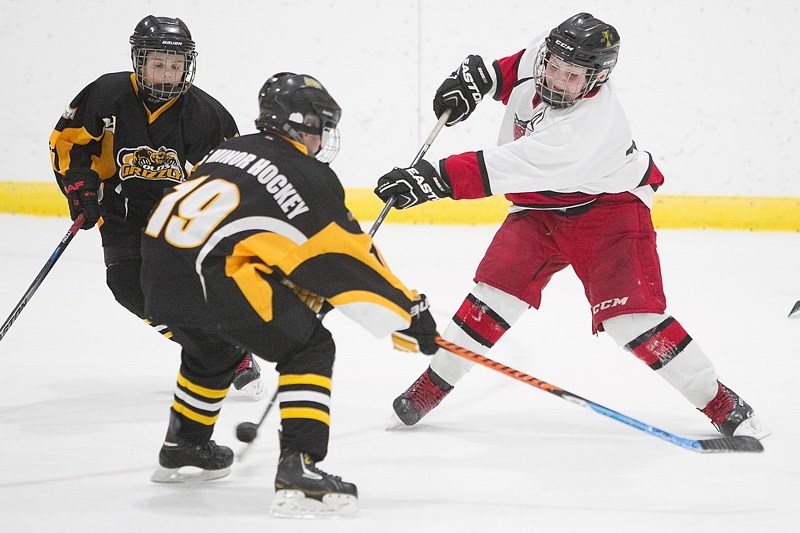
[581, 193]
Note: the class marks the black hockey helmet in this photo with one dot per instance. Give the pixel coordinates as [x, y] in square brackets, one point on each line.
[171, 37]
[581, 40]
[291, 103]
[586, 41]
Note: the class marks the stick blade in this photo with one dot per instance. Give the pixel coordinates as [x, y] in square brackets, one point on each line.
[795, 310]
[744, 444]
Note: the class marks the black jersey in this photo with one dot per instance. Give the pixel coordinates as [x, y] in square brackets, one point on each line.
[255, 211]
[136, 152]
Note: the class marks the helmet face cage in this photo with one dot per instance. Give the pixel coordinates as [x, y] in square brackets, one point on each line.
[291, 104]
[561, 83]
[163, 56]
[163, 80]
[330, 145]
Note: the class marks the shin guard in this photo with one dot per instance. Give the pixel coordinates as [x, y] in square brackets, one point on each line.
[662, 343]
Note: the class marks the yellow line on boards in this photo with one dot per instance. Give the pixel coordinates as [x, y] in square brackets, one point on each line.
[669, 211]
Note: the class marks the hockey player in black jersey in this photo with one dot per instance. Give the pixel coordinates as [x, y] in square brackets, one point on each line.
[243, 254]
[125, 138]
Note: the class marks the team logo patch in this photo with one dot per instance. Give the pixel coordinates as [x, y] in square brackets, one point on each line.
[145, 163]
[69, 112]
[526, 127]
[608, 304]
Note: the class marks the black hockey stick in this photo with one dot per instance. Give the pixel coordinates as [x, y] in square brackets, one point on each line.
[247, 432]
[795, 309]
[716, 445]
[73, 230]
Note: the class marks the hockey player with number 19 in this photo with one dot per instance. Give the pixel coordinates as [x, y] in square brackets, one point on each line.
[581, 193]
[244, 254]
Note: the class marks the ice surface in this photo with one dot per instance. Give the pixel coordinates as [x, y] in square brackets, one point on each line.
[86, 388]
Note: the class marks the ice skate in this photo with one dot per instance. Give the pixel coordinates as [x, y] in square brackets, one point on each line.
[304, 491]
[732, 416]
[420, 398]
[192, 463]
[248, 378]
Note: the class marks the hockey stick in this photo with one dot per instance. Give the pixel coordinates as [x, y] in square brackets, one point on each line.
[247, 432]
[73, 230]
[720, 444]
[420, 154]
[795, 309]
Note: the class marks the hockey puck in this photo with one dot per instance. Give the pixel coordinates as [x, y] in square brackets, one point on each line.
[246, 432]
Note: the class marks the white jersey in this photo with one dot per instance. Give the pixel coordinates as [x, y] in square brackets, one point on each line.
[550, 158]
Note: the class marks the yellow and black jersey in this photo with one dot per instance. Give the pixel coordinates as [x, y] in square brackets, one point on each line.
[255, 211]
[137, 152]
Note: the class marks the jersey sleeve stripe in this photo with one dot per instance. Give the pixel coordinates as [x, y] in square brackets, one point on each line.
[467, 175]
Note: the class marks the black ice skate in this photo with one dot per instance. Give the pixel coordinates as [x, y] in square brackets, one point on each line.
[733, 416]
[212, 461]
[304, 491]
[248, 378]
[420, 398]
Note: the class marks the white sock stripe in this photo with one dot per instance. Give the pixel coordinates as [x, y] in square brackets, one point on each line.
[194, 402]
[305, 396]
[504, 305]
[625, 328]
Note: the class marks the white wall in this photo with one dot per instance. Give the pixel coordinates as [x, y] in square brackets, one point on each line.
[711, 88]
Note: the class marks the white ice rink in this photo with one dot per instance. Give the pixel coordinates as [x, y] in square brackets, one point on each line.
[85, 390]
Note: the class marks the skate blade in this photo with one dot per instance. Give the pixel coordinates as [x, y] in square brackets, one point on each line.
[175, 475]
[752, 427]
[255, 390]
[395, 423]
[294, 504]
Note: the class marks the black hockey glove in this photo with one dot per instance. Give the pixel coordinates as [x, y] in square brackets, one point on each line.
[413, 186]
[462, 90]
[80, 186]
[421, 335]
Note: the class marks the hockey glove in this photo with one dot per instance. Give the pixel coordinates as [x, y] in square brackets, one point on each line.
[462, 90]
[413, 186]
[421, 335]
[80, 187]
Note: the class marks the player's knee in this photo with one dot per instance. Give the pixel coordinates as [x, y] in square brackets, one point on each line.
[484, 317]
[509, 307]
[625, 328]
[123, 267]
[316, 357]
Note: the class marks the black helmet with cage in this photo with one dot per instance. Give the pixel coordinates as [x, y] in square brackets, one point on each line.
[169, 41]
[290, 104]
[583, 41]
